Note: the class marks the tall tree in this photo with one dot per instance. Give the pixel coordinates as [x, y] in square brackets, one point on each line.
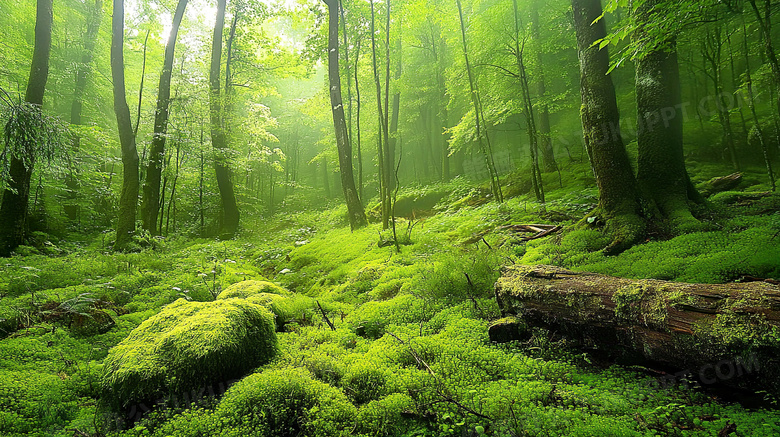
[548, 155]
[661, 172]
[85, 66]
[128, 201]
[150, 203]
[484, 143]
[619, 207]
[14, 207]
[357, 217]
[218, 134]
[384, 191]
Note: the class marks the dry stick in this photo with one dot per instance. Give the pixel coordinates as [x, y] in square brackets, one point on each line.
[471, 296]
[446, 397]
[325, 316]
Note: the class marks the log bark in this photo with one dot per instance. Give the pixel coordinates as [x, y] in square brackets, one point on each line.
[694, 327]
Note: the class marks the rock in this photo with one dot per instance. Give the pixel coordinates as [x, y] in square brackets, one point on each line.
[246, 289]
[286, 306]
[508, 329]
[186, 347]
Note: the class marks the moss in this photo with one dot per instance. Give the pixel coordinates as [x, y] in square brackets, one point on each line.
[640, 302]
[246, 289]
[186, 346]
[388, 416]
[284, 402]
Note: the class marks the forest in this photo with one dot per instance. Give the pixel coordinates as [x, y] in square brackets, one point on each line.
[389, 218]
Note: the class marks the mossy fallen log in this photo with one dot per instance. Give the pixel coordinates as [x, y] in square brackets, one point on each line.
[725, 333]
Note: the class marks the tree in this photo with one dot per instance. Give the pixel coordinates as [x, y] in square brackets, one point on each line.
[128, 201]
[619, 206]
[484, 144]
[24, 130]
[357, 216]
[150, 203]
[218, 134]
[548, 155]
[661, 172]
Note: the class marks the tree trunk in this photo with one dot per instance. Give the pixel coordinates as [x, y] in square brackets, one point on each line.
[485, 150]
[696, 327]
[618, 196]
[14, 207]
[357, 216]
[357, 125]
[218, 136]
[128, 200]
[382, 127]
[548, 155]
[85, 66]
[661, 170]
[151, 192]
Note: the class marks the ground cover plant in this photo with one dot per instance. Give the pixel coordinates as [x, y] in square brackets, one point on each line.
[408, 352]
[389, 218]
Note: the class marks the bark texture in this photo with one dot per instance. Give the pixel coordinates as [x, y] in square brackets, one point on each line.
[661, 170]
[150, 203]
[357, 216]
[14, 206]
[618, 195]
[128, 201]
[678, 325]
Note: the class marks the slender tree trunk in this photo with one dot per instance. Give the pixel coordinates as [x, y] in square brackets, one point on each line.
[752, 103]
[357, 216]
[389, 157]
[381, 144]
[619, 205]
[713, 55]
[484, 149]
[151, 190]
[528, 109]
[548, 155]
[218, 136]
[345, 44]
[85, 66]
[661, 174]
[765, 23]
[14, 207]
[128, 200]
[357, 121]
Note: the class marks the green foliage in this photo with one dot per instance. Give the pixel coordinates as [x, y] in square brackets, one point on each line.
[282, 402]
[188, 345]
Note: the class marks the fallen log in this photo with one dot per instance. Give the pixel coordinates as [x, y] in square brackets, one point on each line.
[724, 333]
[721, 184]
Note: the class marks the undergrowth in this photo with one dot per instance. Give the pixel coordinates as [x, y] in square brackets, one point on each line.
[408, 352]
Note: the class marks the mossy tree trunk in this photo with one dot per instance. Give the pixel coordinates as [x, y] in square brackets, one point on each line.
[150, 203]
[619, 204]
[128, 201]
[661, 172]
[681, 326]
[219, 141]
[14, 207]
[357, 216]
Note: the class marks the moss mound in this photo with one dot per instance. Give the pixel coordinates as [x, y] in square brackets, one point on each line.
[285, 402]
[246, 289]
[187, 346]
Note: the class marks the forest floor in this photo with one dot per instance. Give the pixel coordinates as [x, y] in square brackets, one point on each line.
[409, 352]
